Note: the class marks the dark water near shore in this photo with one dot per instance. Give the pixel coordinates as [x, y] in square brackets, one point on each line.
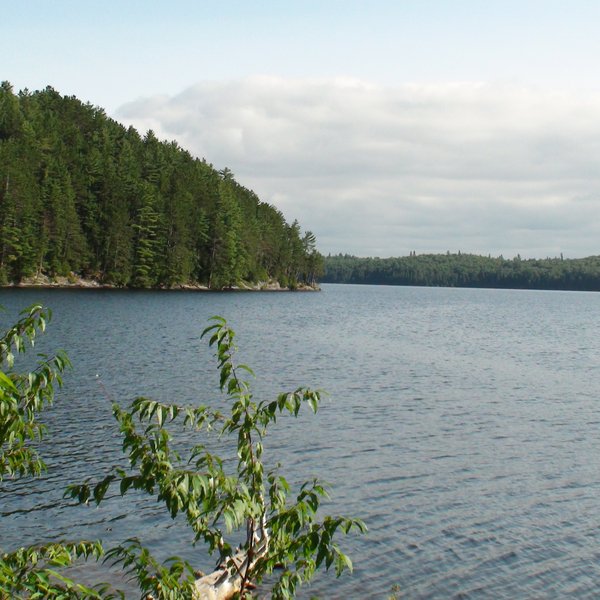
[463, 426]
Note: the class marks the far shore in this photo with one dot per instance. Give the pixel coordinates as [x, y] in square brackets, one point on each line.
[75, 282]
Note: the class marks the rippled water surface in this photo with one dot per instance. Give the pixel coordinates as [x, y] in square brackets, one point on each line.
[462, 425]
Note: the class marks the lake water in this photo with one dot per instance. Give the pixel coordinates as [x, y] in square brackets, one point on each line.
[463, 426]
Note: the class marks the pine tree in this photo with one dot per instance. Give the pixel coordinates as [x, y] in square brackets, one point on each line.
[146, 256]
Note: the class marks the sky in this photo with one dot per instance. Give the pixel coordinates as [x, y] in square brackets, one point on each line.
[384, 127]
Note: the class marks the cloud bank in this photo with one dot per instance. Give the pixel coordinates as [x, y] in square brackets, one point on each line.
[381, 171]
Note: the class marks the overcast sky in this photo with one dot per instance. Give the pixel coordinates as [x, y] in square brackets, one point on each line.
[382, 126]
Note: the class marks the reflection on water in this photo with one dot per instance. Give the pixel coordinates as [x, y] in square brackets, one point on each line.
[462, 426]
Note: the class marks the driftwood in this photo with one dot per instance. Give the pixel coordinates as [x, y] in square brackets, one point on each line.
[233, 572]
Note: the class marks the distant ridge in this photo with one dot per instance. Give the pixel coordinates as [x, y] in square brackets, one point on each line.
[466, 270]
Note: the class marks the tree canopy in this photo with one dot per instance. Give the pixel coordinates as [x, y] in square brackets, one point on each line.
[81, 193]
[466, 270]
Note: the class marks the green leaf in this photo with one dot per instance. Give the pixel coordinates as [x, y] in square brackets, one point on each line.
[6, 383]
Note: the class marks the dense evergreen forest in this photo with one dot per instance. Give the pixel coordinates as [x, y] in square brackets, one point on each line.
[81, 194]
[466, 270]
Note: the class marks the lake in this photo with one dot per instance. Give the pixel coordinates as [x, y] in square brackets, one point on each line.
[462, 425]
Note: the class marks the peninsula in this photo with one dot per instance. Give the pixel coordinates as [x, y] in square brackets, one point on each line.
[83, 198]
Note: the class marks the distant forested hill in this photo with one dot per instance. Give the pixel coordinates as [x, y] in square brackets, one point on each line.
[466, 270]
[81, 193]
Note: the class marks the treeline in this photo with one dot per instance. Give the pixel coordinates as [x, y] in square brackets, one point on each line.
[82, 194]
[466, 270]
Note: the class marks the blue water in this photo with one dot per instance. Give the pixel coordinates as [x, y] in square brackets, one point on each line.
[463, 426]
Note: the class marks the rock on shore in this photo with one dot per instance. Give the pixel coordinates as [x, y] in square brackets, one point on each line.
[75, 281]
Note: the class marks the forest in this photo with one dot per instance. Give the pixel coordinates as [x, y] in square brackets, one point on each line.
[82, 195]
[466, 270]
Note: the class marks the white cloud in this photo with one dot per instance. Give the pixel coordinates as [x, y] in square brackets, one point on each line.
[384, 170]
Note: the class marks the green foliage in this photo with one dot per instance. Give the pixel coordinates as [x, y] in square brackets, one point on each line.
[146, 243]
[283, 533]
[228, 265]
[171, 580]
[282, 528]
[466, 270]
[80, 192]
[24, 395]
[32, 572]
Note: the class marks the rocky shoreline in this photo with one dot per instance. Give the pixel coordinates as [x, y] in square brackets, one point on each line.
[76, 282]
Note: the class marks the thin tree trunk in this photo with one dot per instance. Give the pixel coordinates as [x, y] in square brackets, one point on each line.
[231, 576]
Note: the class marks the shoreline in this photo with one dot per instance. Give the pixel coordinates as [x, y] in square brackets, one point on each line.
[79, 283]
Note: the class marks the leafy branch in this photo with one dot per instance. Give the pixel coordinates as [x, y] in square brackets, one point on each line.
[24, 395]
[34, 571]
[282, 533]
